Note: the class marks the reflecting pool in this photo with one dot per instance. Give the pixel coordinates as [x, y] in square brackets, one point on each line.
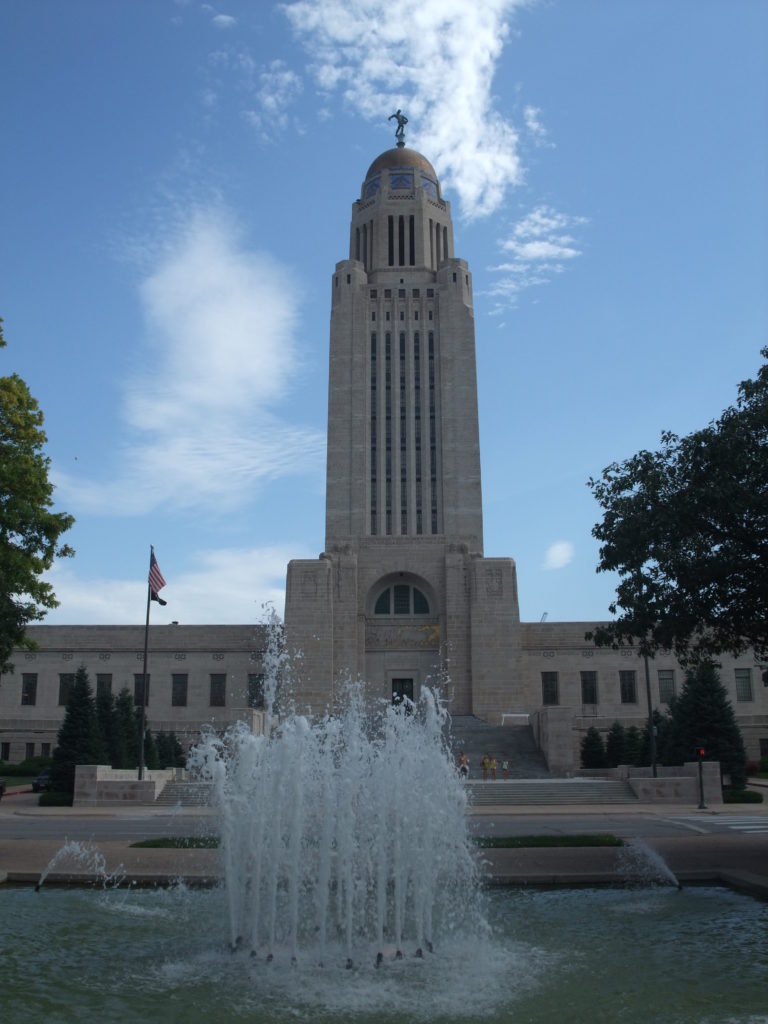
[629, 955]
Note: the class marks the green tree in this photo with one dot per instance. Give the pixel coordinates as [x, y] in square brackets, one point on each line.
[614, 745]
[633, 746]
[170, 752]
[78, 740]
[126, 731]
[662, 724]
[151, 759]
[592, 749]
[29, 529]
[106, 715]
[686, 529]
[176, 757]
[702, 715]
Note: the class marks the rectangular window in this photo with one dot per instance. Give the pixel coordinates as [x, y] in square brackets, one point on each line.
[218, 690]
[744, 684]
[29, 750]
[179, 689]
[628, 686]
[29, 689]
[666, 685]
[139, 690]
[549, 688]
[45, 749]
[402, 599]
[103, 684]
[589, 687]
[5, 751]
[66, 682]
[255, 689]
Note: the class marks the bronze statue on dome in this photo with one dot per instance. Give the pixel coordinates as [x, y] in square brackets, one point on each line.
[402, 121]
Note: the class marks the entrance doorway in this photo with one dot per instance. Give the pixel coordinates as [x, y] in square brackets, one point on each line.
[402, 688]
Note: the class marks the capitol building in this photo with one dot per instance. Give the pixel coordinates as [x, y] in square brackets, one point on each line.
[403, 595]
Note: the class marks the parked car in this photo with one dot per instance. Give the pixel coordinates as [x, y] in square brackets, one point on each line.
[42, 781]
[2, 788]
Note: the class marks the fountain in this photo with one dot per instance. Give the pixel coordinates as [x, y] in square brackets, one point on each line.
[352, 895]
[643, 865]
[346, 837]
[83, 856]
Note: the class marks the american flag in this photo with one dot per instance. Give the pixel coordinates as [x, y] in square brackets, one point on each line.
[156, 581]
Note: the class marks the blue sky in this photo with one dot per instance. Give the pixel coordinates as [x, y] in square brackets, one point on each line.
[176, 183]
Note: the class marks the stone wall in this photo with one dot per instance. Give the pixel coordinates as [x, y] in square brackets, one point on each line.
[98, 784]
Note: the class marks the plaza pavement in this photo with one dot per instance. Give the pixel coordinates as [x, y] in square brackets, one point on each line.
[735, 859]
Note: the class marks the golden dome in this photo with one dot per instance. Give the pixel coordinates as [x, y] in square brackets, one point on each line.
[401, 157]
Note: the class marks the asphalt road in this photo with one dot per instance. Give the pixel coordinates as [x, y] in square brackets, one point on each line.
[21, 819]
[644, 824]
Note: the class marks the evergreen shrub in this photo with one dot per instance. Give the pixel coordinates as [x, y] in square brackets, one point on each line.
[31, 766]
[55, 798]
[741, 796]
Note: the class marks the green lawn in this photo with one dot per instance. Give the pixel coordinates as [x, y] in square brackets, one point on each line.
[179, 843]
[18, 780]
[519, 842]
[488, 842]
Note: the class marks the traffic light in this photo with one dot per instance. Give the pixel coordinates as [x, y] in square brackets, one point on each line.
[700, 752]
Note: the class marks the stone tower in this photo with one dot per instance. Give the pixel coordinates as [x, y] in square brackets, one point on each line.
[402, 593]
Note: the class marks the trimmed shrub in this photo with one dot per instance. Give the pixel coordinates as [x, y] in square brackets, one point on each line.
[31, 766]
[741, 796]
[592, 749]
[55, 798]
[614, 745]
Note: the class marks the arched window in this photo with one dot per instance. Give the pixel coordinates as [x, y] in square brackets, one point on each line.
[401, 599]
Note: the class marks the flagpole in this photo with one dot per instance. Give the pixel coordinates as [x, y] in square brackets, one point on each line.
[144, 687]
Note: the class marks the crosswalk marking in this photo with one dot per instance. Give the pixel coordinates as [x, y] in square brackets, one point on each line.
[749, 824]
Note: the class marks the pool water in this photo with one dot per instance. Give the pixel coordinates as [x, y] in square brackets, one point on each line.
[628, 955]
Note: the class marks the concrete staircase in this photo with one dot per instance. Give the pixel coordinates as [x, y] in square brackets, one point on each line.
[185, 794]
[513, 742]
[550, 792]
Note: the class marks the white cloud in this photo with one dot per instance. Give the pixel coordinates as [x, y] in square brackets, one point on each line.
[278, 89]
[436, 60]
[201, 421]
[230, 586]
[536, 129]
[559, 554]
[224, 21]
[540, 244]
